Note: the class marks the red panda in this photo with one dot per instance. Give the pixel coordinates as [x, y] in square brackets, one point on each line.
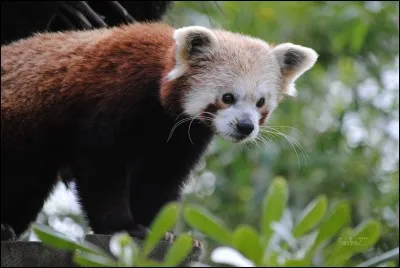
[111, 100]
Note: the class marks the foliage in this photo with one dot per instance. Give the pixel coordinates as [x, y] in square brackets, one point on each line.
[318, 237]
[125, 250]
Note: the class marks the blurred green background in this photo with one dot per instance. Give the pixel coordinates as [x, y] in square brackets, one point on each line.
[345, 118]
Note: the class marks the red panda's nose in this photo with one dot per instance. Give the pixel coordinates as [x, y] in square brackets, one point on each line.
[245, 127]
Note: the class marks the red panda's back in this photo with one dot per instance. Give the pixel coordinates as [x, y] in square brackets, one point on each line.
[48, 79]
[58, 65]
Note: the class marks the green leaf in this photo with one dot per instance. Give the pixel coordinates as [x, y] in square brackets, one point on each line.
[124, 248]
[271, 259]
[339, 41]
[366, 235]
[347, 69]
[339, 259]
[202, 220]
[179, 250]
[297, 263]
[338, 217]
[163, 223]
[273, 206]
[87, 259]
[359, 32]
[246, 240]
[311, 216]
[147, 263]
[51, 237]
[354, 241]
[339, 252]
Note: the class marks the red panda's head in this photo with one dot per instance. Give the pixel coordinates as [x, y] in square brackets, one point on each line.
[231, 81]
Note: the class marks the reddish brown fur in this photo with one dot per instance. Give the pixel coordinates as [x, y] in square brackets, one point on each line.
[110, 51]
[264, 115]
[212, 108]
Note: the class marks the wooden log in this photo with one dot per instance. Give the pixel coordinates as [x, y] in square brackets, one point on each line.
[35, 254]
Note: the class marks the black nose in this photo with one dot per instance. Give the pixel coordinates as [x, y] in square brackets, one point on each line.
[245, 127]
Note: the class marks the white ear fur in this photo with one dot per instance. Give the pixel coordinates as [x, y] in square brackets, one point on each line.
[294, 60]
[190, 42]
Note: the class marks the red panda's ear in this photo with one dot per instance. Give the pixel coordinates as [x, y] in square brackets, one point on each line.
[192, 43]
[294, 60]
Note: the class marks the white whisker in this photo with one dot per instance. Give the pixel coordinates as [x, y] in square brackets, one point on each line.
[179, 116]
[261, 139]
[269, 126]
[177, 125]
[190, 138]
[305, 155]
[288, 139]
[303, 151]
[301, 148]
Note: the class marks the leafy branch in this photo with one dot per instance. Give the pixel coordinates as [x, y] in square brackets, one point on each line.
[318, 237]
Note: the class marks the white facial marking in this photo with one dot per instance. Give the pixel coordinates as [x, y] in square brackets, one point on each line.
[246, 67]
[196, 101]
[226, 122]
[177, 72]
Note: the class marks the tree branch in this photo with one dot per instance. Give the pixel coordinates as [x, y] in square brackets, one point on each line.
[121, 10]
[89, 12]
[76, 13]
[379, 259]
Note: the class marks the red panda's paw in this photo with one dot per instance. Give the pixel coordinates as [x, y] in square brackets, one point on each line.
[169, 237]
[197, 244]
[141, 232]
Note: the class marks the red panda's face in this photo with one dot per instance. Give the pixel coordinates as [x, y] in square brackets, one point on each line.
[234, 82]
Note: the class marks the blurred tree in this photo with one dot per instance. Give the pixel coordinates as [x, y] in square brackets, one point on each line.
[21, 18]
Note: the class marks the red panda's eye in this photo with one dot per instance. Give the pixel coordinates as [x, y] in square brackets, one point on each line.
[228, 98]
[260, 102]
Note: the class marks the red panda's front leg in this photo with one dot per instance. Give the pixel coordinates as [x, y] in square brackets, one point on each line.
[153, 188]
[103, 190]
[144, 207]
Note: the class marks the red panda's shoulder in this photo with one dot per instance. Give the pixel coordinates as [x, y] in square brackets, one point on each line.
[68, 63]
